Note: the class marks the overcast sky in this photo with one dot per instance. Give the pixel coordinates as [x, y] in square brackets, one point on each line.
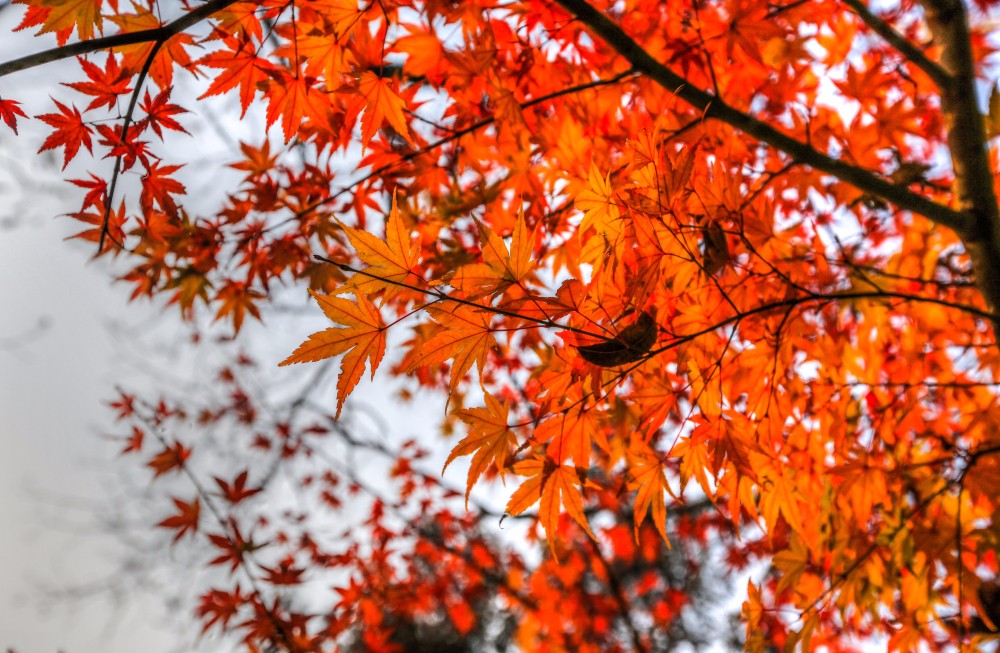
[57, 365]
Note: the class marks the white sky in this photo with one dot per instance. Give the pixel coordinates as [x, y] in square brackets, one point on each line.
[55, 469]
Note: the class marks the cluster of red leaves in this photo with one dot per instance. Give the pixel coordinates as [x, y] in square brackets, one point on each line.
[407, 571]
[659, 307]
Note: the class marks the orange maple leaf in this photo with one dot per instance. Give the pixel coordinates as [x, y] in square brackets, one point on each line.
[490, 440]
[66, 14]
[601, 209]
[648, 478]
[292, 97]
[779, 496]
[383, 104]
[554, 486]
[173, 50]
[393, 260]
[571, 434]
[169, 458]
[465, 336]
[363, 337]
[501, 268]
[423, 49]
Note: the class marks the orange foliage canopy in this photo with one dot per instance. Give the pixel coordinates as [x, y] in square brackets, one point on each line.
[702, 269]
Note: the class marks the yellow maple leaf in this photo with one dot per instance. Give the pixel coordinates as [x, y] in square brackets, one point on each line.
[362, 337]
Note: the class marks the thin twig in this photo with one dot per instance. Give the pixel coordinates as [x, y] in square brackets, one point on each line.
[159, 34]
[108, 201]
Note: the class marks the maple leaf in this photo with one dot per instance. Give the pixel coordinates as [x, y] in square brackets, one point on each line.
[170, 52]
[423, 49]
[571, 434]
[97, 190]
[780, 497]
[70, 132]
[158, 186]
[500, 268]
[554, 486]
[236, 491]
[64, 15]
[219, 607]
[324, 55]
[284, 573]
[292, 97]
[393, 260]
[130, 149]
[490, 439]
[382, 105]
[169, 459]
[104, 85]
[601, 209]
[9, 111]
[465, 336]
[363, 337]
[159, 113]
[186, 519]
[237, 299]
[240, 66]
[257, 161]
[648, 478]
[133, 443]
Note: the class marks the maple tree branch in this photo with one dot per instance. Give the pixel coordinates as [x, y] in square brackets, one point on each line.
[904, 46]
[445, 297]
[712, 106]
[245, 556]
[815, 297]
[967, 143]
[158, 34]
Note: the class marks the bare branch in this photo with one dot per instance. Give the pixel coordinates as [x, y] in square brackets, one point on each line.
[158, 35]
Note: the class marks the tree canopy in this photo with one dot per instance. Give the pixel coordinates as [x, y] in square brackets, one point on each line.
[711, 287]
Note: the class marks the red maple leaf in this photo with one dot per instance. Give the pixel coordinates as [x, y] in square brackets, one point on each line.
[9, 111]
[168, 459]
[238, 490]
[130, 150]
[159, 114]
[186, 518]
[70, 132]
[104, 85]
[158, 186]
